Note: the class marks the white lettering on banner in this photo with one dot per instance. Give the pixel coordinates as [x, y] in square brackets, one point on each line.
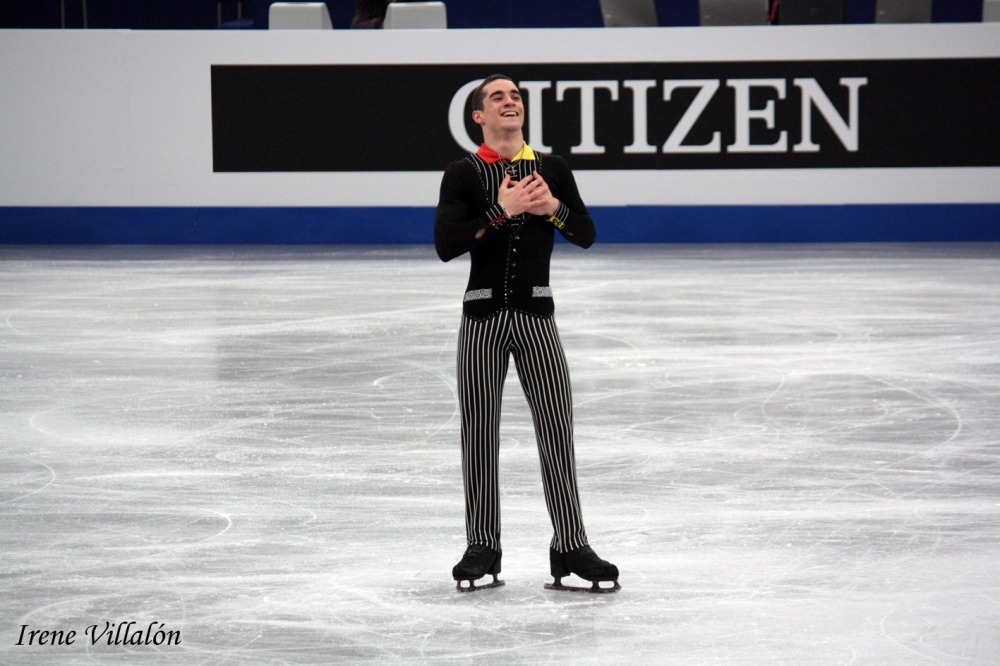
[587, 146]
[846, 132]
[456, 116]
[690, 117]
[640, 142]
[744, 114]
[812, 96]
[534, 106]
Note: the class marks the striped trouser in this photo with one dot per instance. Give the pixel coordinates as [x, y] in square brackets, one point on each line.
[484, 348]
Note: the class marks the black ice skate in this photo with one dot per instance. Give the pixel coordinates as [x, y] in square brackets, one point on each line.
[478, 561]
[585, 563]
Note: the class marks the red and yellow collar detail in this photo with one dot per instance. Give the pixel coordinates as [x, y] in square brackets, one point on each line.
[490, 156]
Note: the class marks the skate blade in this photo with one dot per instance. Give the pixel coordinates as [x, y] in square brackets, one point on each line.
[475, 588]
[595, 588]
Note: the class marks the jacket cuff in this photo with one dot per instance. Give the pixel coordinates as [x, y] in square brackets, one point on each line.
[495, 215]
[558, 219]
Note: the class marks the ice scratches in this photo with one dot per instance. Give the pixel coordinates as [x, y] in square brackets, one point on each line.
[789, 452]
[180, 473]
[877, 409]
[11, 326]
[396, 382]
[124, 539]
[922, 632]
[617, 340]
[347, 323]
[15, 475]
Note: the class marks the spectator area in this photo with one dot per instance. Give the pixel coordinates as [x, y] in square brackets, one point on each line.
[203, 14]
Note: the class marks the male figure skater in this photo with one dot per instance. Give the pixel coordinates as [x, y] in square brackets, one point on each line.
[503, 205]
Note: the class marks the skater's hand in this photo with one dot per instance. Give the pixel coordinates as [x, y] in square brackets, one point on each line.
[526, 196]
[547, 204]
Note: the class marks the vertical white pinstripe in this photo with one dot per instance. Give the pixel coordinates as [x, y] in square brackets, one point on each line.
[484, 349]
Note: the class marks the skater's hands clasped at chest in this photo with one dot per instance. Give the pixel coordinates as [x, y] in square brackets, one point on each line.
[531, 195]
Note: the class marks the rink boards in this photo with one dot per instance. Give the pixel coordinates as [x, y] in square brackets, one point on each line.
[826, 133]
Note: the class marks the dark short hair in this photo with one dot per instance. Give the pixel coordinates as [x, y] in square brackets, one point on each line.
[479, 94]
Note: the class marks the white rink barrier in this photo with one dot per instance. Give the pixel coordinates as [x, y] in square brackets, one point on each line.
[858, 132]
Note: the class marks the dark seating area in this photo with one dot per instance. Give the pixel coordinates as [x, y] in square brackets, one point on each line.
[253, 14]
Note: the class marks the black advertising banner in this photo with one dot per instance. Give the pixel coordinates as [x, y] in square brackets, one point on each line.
[732, 115]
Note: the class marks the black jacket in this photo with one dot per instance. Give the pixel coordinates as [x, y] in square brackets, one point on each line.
[510, 264]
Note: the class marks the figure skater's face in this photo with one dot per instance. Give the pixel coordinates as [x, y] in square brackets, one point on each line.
[503, 109]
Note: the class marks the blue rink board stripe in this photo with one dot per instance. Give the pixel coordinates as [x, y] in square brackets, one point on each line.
[403, 225]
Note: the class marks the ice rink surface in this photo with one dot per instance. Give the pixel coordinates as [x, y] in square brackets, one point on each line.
[790, 452]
